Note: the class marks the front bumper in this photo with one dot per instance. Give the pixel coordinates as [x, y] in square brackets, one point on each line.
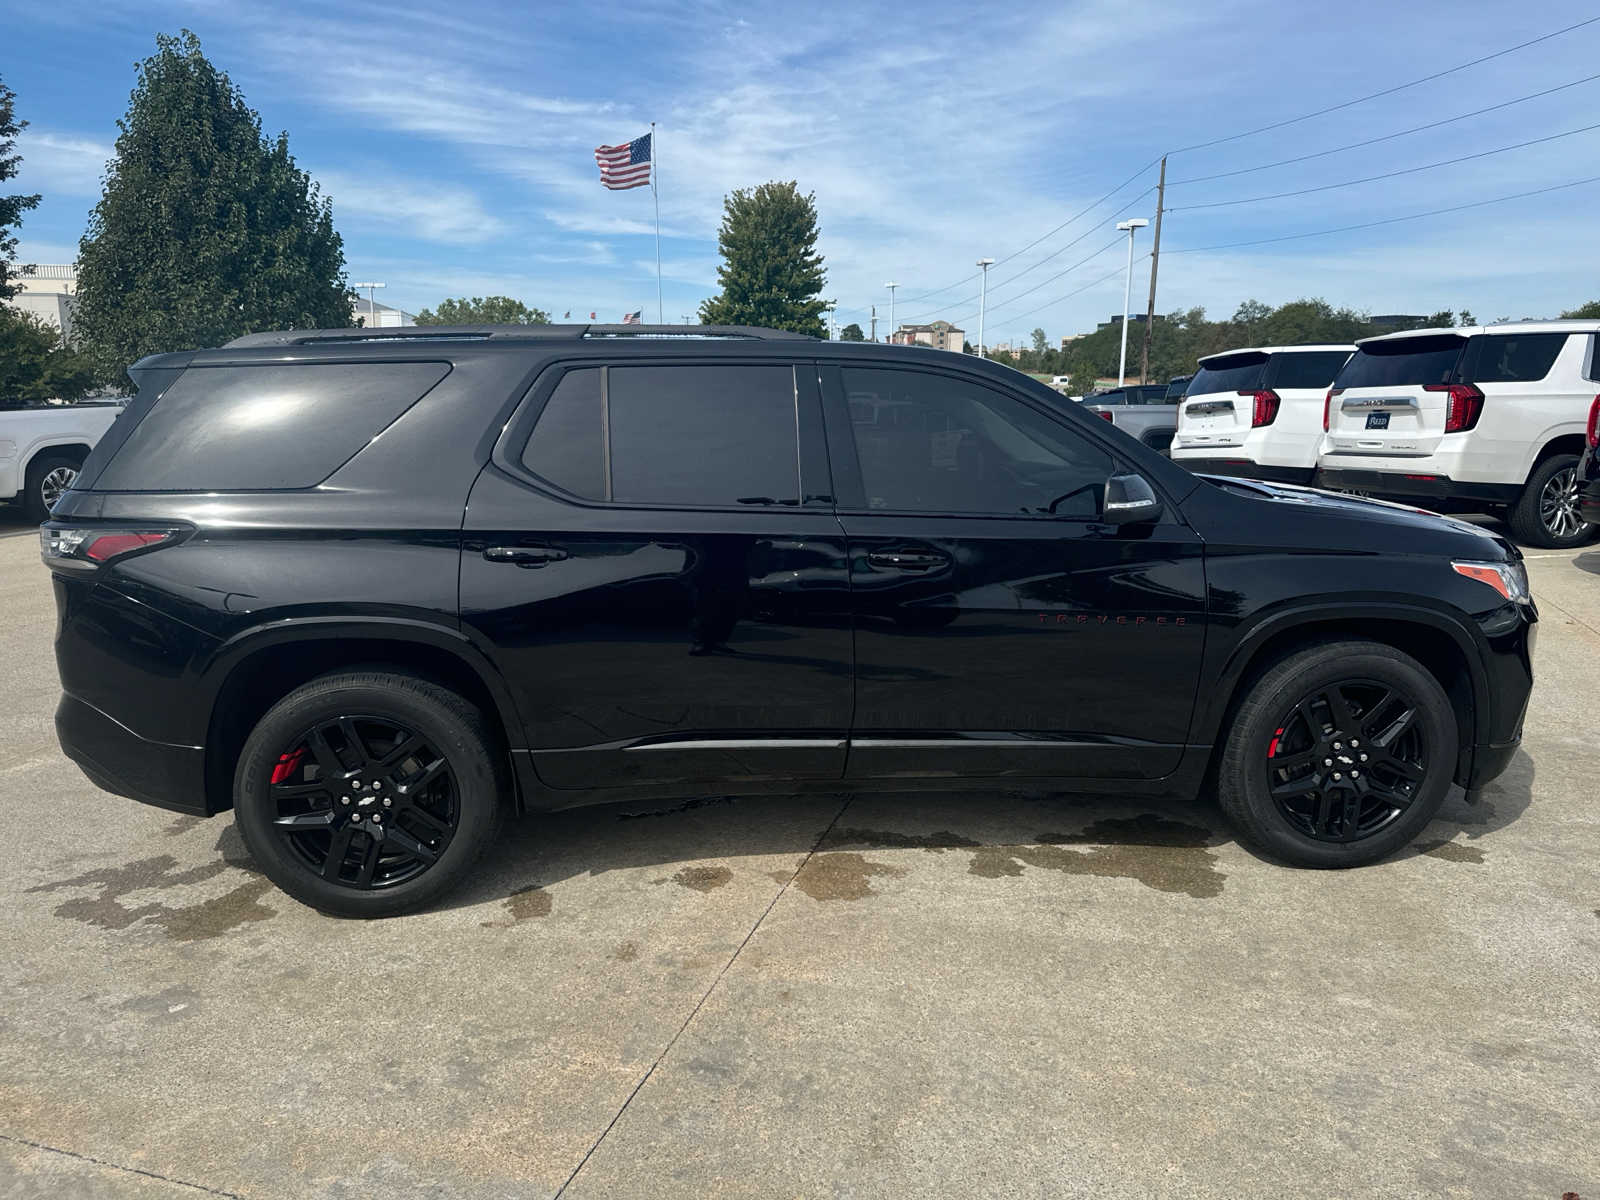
[119, 761]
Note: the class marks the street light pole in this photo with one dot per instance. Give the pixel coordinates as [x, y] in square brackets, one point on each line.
[891, 287]
[372, 302]
[983, 297]
[1127, 296]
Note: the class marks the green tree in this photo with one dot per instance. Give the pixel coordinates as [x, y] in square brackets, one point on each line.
[11, 207]
[771, 273]
[1588, 311]
[33, 363]
[1039, 342]
[207, 229]
[483, 310]
[852, 333]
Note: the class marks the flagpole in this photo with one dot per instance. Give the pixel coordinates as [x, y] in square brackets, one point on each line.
[655, 167]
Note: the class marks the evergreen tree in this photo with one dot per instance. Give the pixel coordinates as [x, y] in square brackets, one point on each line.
[852, 333]
[206, 230]
[771, 273]
[483, 310]
[11, 207]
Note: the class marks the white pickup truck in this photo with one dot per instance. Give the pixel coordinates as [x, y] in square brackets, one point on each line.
[42, 447]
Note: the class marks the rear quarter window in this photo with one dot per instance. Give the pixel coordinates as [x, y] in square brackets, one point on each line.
[1512, 357]
[263, 428]
[1313, 369]
[1404, 362]
[1228, 373]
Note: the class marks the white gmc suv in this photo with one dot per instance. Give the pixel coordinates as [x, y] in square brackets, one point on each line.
[1485, 417]
[1257, 413]
[42, 447]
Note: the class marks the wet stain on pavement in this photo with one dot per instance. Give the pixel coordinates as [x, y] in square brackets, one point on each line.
[527, 903]
[1167, 855]
[1451, 851]
[627, 952]
[182, 825]
[703, 879]
[686, 806]
[183, 922]
[841, 876]
[884, 839]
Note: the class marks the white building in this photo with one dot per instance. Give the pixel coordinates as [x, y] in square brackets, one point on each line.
[374, 314]
[49, 292]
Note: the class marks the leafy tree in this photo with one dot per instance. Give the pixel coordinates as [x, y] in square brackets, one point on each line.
[1589, 311]
[206, 230]
[11, 207]
[483, 310]
[852, 333]
[1039, 342]
[33, 363]
[771, 273]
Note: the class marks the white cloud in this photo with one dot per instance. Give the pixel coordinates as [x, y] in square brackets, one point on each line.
[431, 212]
[61, 163]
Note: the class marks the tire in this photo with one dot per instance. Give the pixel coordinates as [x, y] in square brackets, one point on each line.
[1270, 744]
[1546, 514]
[404, 751]
[47, 477]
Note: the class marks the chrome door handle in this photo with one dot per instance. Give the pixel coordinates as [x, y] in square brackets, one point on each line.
[525, 556]
[906, 560]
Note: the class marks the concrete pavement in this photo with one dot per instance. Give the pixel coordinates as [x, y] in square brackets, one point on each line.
[987, 994]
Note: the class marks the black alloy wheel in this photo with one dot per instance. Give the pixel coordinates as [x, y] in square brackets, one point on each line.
[1347, 760]
[364, 801]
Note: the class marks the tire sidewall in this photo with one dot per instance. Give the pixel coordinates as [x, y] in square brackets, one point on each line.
[33, 485]
[477, 786]
[1273, 829]
[1524, 515]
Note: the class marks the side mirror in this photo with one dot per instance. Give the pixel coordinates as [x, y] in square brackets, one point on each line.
[1130, 500]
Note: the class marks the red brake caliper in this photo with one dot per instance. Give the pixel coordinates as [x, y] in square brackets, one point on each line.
[1272, 750]
[287, 764]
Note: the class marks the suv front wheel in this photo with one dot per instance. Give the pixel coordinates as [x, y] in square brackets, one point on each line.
[368, 793]
[1339, 755]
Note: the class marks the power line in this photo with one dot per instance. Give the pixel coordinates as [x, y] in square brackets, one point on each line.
[1389, 91]
[1388, 137]
[1433, 212]
[1115, 271]
[1116, 241]
[1327, 187]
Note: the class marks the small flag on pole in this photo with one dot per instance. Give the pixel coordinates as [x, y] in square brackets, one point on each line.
[633, 317]
[591, 316]
[567, 316]
[625, 166]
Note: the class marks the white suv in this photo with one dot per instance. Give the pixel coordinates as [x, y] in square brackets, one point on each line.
[1485, 417]
[1257, 413]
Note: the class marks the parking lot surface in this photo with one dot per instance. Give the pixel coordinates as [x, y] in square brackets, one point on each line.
[996, 993]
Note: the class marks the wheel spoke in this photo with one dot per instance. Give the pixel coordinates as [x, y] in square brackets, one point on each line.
[1319, 823]
[334, 864]
[1386, 737]
[434, 824]
[294, 791]
[406, 748]
[369, 861]
[327, 760]
[1289, 788]
[425, 776]
[353, 740]
[1351, 816]
[1291, 762]
[1339, 709]
[301, 822]
[410, 845]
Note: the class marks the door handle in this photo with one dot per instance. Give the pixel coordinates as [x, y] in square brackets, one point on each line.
[525, 556]
[906, 560]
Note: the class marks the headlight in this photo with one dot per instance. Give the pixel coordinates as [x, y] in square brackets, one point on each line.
[1510, 579]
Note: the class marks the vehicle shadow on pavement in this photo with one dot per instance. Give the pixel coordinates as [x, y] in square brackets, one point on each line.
[1588, 561]
[14, 522]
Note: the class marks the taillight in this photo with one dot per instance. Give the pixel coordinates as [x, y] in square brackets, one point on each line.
[1105, 415]
[1463, 406]
[1263, 407]
[1327, 407]
[1592, 435]
[84, 549]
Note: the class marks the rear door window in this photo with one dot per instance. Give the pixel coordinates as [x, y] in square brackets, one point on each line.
[1312, 369]
[691, 435]
[1228, 373]
[1403, 362]
[1511, 357]
[265, 428]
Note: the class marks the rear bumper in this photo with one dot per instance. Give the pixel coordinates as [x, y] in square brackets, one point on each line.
[1240, 468]
[119, 761]
[1415, 485]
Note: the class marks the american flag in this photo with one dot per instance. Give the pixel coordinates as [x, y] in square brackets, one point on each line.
[633, 318]
[625, 166]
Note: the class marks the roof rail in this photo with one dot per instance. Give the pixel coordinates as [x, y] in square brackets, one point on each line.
[483, 333]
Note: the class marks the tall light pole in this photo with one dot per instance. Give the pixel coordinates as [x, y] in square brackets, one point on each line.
[891, 287]
[833, 320]
[372, 301]
[983, 297]
[1127, 296]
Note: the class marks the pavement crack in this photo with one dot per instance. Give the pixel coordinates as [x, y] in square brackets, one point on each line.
[695, 1012]
[100, 1162]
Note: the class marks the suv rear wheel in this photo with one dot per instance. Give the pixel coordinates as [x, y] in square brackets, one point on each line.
[1546, 514]
[368, 793]
[1339, 755]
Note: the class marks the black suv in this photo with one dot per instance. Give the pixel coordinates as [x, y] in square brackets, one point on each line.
[372, 589]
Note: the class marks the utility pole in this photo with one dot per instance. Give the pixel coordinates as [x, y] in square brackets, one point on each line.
[1155, 257]
[874, 336]
[891, 287]
[983, 297]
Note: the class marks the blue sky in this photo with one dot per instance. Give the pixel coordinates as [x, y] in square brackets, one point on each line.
[457, 144]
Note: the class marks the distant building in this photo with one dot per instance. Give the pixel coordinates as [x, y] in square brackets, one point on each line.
[49, 292]
[1068, 338]
[1116, 319]
[941, 335]
[370, 314]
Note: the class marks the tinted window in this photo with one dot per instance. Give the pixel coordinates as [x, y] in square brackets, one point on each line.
[1155, 393]
[1512, 357]
[703, 435]
[1116, 396]
[1228, 373]
[1313, 369]
[1403, 362]
[935, 443]
[1175, 389]
[567, 446]
[255, 428]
